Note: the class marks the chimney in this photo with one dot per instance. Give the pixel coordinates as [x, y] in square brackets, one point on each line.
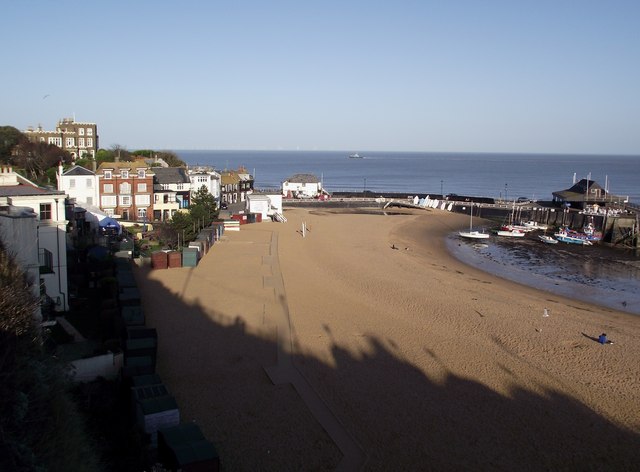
[59, 176]
[93, 164]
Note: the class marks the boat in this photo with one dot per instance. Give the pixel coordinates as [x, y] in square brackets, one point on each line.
[547, 239]
[534, 226]
[511, 229]
[511, 233]
[355, 156]
[471, 234]
[571, 237]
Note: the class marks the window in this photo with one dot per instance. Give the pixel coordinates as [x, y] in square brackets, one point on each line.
[81, 142]
[81, 131]
[89, 142]
[45, 211]
[143, 200]
[69, 142]
[109, 211]
[89, 131]
[125, 200]
[108, 201]
[55, 141]
[141, 173]
[107, 174]
[124, 174]
[89, 183]
[72, 183]
[107, 188]
[156, 197]
[142, 187]
[125, 188]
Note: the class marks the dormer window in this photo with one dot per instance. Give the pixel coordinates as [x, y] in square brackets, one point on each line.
[124, 174]
[141, 173]
[108, 174]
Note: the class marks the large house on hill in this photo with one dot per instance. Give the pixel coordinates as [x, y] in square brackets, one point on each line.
[78, 138]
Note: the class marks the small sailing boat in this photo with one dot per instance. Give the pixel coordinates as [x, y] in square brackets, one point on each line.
[471, 234]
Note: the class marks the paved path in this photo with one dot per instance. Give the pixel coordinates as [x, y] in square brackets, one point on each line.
[286, 372]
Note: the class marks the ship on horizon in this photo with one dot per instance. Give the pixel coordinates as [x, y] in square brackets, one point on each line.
[355, 156]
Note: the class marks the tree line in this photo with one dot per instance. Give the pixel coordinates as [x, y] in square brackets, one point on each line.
[39, 161]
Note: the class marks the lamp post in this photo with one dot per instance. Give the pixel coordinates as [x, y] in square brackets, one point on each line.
[441, 187]
[505, 192]
[364, 187]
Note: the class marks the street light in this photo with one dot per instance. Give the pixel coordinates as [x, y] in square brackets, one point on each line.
[505, 192]
[441, 186]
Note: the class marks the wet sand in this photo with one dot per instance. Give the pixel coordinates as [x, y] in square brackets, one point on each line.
[291, 352]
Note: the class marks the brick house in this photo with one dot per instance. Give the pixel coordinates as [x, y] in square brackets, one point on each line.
[126, 189]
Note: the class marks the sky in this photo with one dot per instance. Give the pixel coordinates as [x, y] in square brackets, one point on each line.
[559, 76]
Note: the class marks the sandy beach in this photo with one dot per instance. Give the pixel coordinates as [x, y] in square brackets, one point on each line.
[338, 351]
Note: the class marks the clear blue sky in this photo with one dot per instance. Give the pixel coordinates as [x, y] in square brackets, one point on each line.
[487, 76]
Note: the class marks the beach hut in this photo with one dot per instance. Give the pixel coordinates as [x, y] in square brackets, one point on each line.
[156, 412]
[142, 365]
[159, 260]
[184, 447]
[129, 296]
[142, 347]
[190, 257]
[174, 259]
[132, 315]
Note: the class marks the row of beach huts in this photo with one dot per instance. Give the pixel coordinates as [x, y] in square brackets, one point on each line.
[190, 256]
[155, 412]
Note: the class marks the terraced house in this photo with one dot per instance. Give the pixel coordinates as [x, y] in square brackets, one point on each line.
[126, 189]
[171, 187]
[235, 185]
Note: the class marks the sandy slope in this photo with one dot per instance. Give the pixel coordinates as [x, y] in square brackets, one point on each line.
[424, 362]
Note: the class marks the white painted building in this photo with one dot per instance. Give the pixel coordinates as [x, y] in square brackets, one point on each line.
[171, 192]
[302, 186]
[19, 234]
[206, 176]
[265, 204]
[49, 207]
[79, 183]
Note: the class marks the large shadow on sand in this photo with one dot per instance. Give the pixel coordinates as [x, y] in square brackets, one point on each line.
[400, 418]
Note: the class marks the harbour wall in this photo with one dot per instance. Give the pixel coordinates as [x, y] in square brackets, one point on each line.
[618, 230]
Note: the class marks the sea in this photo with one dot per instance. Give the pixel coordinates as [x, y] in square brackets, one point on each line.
[600, 275]
[508, 176]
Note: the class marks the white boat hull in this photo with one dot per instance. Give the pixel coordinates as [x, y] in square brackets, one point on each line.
[473, 235]
[510, 234]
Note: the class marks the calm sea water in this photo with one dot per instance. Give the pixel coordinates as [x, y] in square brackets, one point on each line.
[488, 175]
[600, 275]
